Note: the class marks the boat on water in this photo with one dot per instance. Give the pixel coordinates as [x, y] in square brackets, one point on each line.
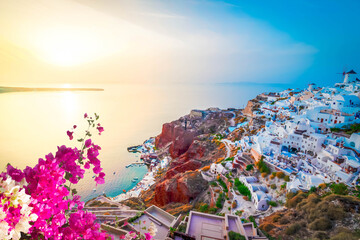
[94, 189]
[133, 180]
[136, 178]
[124, 190]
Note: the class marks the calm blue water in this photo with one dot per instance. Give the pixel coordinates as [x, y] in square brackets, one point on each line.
[33, 124]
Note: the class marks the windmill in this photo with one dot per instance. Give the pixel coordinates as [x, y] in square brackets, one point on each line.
[343, 73]
[346, 75]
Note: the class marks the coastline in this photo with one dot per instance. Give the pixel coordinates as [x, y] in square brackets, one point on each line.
[26, 89]
[146, 149]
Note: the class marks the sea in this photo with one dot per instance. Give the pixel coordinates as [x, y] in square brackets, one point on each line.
[33, 124]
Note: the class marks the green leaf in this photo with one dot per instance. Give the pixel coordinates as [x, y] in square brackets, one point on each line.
[80, 140]
[73, 191]
[67, 187]
[68, 175]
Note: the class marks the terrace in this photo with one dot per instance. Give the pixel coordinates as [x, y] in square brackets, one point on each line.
[205, 226]
[162, 220]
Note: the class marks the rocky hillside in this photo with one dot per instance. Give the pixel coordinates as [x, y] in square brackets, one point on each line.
[188, 142]
[312, 216]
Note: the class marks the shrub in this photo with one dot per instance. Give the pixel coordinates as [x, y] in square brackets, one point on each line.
[219, 201]
[273, 186]
[287, 178]
[321, 235]
[272, 203]
[267, 227]
[264, 174]
[239, 213]
[244, 190]
[181, 228]
[252, 219]
[294, 199]
[284, 220]
[223, 184]
[272, 177]
[204, 207]
[292, 229]
[280, 175]
[273, 174]
[346, 235]
[276, 218]
[214, 184]
[236, 236]
[212, 210]
[322, 185]
[321, 224]
[234, 204]
[261, 165]
[340, 189]
[249, 167]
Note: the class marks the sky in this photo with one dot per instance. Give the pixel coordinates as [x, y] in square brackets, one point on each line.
[178, 41]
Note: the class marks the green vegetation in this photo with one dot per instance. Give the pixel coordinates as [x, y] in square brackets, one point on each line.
[261, 165]
[212, 210]
[236, 236]
[204, 207]
[323, 215]
[287, 178]
[292, 229]
[229, 159]
[340, 189]
[244, 190]
[220, 200]
[223, 184]
[249, 167]
[181, 228]
[272, 203]
[280, 175]
[133, 219]
[213, 184]
[273, 186]
[279, 99]
[252, 219]
[348, 129]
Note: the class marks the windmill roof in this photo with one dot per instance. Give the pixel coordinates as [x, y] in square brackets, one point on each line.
[351, 72]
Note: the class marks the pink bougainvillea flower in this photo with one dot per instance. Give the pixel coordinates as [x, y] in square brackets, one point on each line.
[85, 115]
[100, 129]
[74, 126]
[87, 143]
[70, 134]
[87, 165]
[15, 173]
[125, 223]
[148, 236]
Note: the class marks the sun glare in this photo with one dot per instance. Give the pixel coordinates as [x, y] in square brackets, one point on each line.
[69, 47]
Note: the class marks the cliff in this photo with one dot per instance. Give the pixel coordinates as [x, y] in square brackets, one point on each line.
[190, 149]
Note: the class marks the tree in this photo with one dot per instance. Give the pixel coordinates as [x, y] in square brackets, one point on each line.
[249, 167]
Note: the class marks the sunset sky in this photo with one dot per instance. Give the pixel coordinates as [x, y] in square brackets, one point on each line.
[179, 41]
